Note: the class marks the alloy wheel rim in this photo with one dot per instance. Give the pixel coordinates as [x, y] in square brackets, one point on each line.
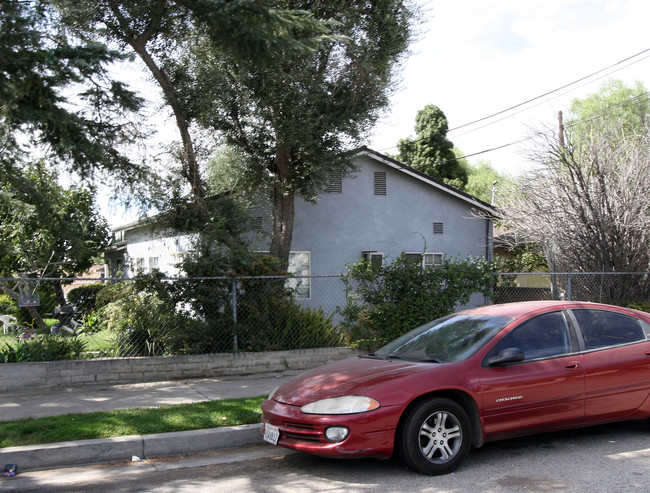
[440, 437]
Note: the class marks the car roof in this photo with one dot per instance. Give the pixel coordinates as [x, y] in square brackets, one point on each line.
[516, 310]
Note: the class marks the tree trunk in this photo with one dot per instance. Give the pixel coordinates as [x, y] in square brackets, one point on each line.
[283, 208]
[190, 164]
[37, 319]
[60, 295]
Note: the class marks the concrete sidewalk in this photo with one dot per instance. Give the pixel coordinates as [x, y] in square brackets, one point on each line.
[88, 399]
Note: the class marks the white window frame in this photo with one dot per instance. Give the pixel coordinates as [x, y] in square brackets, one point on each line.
[138, 265]
[428, 259]
[301, 286]
[375, 257]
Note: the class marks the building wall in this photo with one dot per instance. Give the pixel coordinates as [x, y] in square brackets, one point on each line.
[335, 230]
[147, 249]
[340, 226]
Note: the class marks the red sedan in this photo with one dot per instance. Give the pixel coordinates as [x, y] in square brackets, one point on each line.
[474, 376]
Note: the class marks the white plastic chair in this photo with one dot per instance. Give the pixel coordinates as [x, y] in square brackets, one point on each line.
[9, 323]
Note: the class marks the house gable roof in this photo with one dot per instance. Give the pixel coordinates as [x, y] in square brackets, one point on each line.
[423, 177]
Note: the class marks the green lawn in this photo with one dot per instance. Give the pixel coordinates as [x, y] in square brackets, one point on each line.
[184, 417]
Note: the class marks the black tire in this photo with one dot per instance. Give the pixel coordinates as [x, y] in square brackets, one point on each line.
[435, 436]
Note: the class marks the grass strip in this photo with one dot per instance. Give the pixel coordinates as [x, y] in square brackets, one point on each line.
[183, 417]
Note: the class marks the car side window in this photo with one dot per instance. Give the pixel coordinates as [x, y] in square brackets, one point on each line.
[602, 328]
[544, 336]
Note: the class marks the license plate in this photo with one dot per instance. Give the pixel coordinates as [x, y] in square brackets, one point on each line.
[271, 433]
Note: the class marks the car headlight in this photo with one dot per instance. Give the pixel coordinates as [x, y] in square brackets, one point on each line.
[347, 404]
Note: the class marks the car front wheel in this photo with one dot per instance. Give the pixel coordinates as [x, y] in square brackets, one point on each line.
[435, 436]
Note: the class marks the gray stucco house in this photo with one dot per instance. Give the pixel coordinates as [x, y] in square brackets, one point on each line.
[381, 210]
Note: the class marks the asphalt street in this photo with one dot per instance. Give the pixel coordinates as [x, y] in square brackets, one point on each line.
[605, 459]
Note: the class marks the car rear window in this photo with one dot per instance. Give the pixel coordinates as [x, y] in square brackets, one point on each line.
[602, 328]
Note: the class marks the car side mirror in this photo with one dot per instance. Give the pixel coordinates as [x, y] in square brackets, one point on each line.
[509, 355]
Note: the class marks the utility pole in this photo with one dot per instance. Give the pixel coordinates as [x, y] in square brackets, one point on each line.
[561, 129]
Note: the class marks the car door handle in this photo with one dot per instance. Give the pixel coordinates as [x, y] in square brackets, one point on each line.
[572, 365]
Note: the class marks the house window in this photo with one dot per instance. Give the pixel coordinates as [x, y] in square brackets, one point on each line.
[257, 223]
[138, 265]
[300, 265]
[380, 183]
[153, 263]
[376, 259]
[432, 259]
[335, 184]
[425, 259]
[437, 228]
[118, 236]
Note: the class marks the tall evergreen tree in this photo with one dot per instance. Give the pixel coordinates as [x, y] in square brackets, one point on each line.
[57, 98]
[430, 151]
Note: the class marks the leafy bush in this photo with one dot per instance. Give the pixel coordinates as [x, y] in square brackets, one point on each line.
[266, 323]
[8, 306]
[110, 293]
[45, 348]
[152, 317]
[83, 298]
[643, 306]
[384, 302]
[140, 322]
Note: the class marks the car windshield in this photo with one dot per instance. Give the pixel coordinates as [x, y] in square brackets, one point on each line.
[452, 338]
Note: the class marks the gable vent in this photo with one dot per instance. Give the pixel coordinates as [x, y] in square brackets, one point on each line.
[257, 223]
[437, 228]
[380, 183]
[335, 184]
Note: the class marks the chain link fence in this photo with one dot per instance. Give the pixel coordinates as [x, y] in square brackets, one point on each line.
[612, 288]
[88, 318]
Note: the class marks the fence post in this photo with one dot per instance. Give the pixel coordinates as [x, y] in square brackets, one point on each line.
[568, 288]
[234, 313]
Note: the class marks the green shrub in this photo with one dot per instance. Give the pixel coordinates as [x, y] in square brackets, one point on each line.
[8, 306]
[384, 302]
[643, 306]
[110, 293]
[44, 348]
[83, 298]
[278, 324]
[146, 321]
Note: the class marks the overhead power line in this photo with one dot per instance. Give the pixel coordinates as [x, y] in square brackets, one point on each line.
[550, 92]
[534, 99]
[505, 117]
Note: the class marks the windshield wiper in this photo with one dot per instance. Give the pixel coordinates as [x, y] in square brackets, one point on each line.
[372, 356]
[428, 360]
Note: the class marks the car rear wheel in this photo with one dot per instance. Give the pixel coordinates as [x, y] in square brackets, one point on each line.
[435, 436]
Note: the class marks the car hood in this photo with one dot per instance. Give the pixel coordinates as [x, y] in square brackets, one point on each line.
[354, 376]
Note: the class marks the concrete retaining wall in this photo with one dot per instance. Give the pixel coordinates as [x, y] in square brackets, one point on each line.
[111, 371]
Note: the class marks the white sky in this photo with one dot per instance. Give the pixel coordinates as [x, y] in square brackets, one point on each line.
[477, 57]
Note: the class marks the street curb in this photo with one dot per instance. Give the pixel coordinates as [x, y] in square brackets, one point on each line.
[119, 449]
